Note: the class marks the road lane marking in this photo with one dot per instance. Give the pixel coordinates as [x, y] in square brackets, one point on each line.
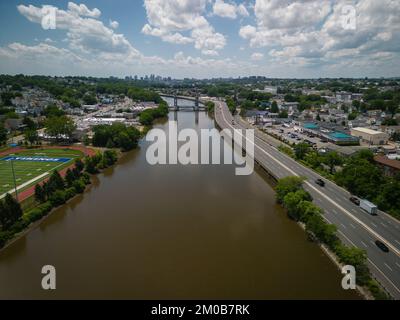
[397, 264]
[387, 266]
[396, 251]
[373, 264]
[374, 225]
[384, 225]
[353, 226]
[343, 226]
[364, 244]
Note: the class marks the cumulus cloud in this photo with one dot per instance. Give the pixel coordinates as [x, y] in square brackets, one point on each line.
[84, 32]
[229, 9]
[312, 31]
[82, 10]
[183, 22]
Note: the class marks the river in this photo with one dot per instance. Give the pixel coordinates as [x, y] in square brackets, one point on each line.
[171, 232]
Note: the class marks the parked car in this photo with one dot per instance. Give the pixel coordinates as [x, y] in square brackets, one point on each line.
[355, 200]
[382, 246]
[320, 182]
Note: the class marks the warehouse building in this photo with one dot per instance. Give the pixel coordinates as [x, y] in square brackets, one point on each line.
[369, 136]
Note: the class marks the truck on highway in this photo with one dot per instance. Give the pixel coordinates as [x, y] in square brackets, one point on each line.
[369, 207]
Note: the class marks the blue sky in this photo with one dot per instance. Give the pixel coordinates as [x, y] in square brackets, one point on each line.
[202, 38]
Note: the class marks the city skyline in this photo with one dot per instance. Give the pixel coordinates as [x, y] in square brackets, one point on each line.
[203, 38]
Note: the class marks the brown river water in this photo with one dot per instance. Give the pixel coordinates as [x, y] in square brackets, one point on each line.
[171, 232]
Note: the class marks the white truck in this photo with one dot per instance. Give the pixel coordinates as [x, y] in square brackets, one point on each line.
[369, 207]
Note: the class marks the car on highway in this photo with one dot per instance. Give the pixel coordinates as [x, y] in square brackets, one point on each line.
[320, 182]
[382, 246]
[355, 200]
[233, 121]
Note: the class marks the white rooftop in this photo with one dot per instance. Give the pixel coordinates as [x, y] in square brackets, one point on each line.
[368, 131]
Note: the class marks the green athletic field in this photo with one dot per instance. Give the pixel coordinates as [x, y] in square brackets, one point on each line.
[29, 173]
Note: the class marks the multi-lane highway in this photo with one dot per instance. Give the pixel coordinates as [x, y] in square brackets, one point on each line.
[355, 226]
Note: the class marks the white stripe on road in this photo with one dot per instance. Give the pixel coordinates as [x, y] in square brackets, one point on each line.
[364, 244]
[387, 266]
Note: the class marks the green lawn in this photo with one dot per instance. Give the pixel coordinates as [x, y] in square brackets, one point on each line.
[28, 173]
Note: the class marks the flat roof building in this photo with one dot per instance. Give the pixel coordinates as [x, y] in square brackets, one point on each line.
[369, 136]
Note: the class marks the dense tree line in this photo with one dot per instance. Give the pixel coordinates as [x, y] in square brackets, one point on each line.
[148, 116]
[117, 135]
[299, 207]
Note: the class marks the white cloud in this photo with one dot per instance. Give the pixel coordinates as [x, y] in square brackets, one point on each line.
[85, 34]
[311, 31]
[229, 10]
[182, 22]
[257, 56]
[114, 24]
[82, 10]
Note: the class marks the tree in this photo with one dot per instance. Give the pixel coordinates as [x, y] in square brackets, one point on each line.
[274, 107]
[286, 186]
[109, 157]
[357, 258]
[56, 182]
[283, 114]
[332, 159]
[61, 128]
[79, 165]
[31, 136]
[30, 124]
[3, 135]
[292, 201]
[70, 177]
[360, 177]
[388, 198]
[301, 150]
[308, 209]
[89, 99]
[10, 212]
[392, 108]
[40, 194]
[53, 111]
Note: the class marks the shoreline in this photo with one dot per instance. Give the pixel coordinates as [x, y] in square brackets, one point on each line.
[36, 224]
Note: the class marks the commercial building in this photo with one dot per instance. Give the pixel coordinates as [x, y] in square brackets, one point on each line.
[369, 136]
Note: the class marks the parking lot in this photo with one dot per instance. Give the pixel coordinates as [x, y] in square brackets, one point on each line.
[293, 135]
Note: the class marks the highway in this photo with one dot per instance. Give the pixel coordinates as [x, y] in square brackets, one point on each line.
[355, 226]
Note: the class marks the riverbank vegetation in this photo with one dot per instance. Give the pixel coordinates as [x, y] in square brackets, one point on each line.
[299, 207]
[148, 116]
[210, 106]
[51, 194]
[117, 135]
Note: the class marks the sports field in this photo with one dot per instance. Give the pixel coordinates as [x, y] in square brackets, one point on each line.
[32, 166]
